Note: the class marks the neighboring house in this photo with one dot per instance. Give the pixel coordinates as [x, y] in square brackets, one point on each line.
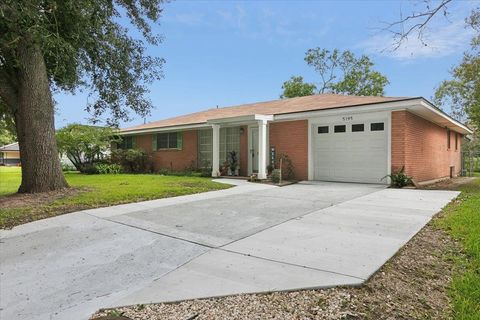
[327, 137]
[10, 155]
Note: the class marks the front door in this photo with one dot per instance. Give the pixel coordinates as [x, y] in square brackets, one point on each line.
[254, 148]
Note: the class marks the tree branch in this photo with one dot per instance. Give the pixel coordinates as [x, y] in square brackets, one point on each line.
[419, 22]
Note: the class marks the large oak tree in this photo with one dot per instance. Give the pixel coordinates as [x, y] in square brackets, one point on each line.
[50, 45]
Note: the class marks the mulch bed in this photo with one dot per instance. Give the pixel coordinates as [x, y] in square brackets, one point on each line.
[412, 285]
[17, 200]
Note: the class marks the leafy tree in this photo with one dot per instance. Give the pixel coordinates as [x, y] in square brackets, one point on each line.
[295, 87]
[462, 93]
[48, 45]
[85, 145]
[7, 132]
[342, 72]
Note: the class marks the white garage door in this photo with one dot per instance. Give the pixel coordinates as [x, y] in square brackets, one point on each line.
[353, 151]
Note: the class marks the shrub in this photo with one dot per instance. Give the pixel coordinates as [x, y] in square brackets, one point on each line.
[131, 160]
[275, 175]
[233, 161]
[206, 170]
[105, 168]
[288, 171]
[68, 167]
[399, 179]
[89, 169]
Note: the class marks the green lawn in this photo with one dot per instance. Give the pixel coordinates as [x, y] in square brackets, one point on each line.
[98, 191]
[9, 180]
[462, 221]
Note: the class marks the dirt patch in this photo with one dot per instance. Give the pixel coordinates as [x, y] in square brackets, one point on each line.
[449, 184]
[18, 200]
[412, 285]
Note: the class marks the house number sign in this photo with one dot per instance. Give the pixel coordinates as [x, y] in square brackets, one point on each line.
[347, 118]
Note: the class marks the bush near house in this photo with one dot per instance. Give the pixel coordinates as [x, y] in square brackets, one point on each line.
[399, 179]
[284, 163]
[132, 160]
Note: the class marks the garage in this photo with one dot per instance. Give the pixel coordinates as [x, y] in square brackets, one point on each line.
[351, 148]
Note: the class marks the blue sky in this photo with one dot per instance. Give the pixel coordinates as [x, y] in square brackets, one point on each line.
[228, 53]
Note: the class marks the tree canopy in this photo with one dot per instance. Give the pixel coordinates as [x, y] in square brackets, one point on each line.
[344, 73]
[295, 87]
[7, 134]
[84, 44]
[340, 72]
[462, 93]
[84, 145]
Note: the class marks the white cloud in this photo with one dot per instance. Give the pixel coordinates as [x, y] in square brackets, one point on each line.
[189, 18]
[271, 25]
[438, 42]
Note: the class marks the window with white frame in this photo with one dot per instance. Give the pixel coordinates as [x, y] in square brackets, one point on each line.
[229, 141]
[205, 147]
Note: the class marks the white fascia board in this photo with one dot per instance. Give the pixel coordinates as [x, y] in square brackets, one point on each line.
[448, 119]
[387, 106]
[264, 117]
[231, 120]
[241, 119]
[163, 129]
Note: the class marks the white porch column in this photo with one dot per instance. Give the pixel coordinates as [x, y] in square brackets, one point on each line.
[216, 150]
[262, 149]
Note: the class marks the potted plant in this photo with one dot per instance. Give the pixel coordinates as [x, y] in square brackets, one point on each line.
[270, 169]
[233, 162]
[225, 169]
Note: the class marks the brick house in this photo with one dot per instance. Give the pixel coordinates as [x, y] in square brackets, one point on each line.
[327, 137]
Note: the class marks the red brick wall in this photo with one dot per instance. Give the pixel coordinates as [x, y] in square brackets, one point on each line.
[421, 146]
[291, 138]
[171, 159]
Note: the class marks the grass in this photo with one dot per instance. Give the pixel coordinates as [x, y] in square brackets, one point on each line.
[96, 191]
[9, 180]
[462, 221]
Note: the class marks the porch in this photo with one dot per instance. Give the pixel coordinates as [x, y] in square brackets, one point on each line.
[253, 151]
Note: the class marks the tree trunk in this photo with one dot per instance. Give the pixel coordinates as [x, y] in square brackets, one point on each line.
[34, 120]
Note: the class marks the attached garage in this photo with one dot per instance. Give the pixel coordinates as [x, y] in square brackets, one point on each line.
[351, 148]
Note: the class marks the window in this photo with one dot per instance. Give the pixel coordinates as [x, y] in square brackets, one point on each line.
[377, 126]
[448, 139]
[127, 143]
[456, 141]
[169, 140]
[229, 141]
[205, 148]
[358, 127]
[340, 128]
[323, 129]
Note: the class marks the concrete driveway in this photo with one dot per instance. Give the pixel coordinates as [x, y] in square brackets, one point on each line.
[251, 238]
